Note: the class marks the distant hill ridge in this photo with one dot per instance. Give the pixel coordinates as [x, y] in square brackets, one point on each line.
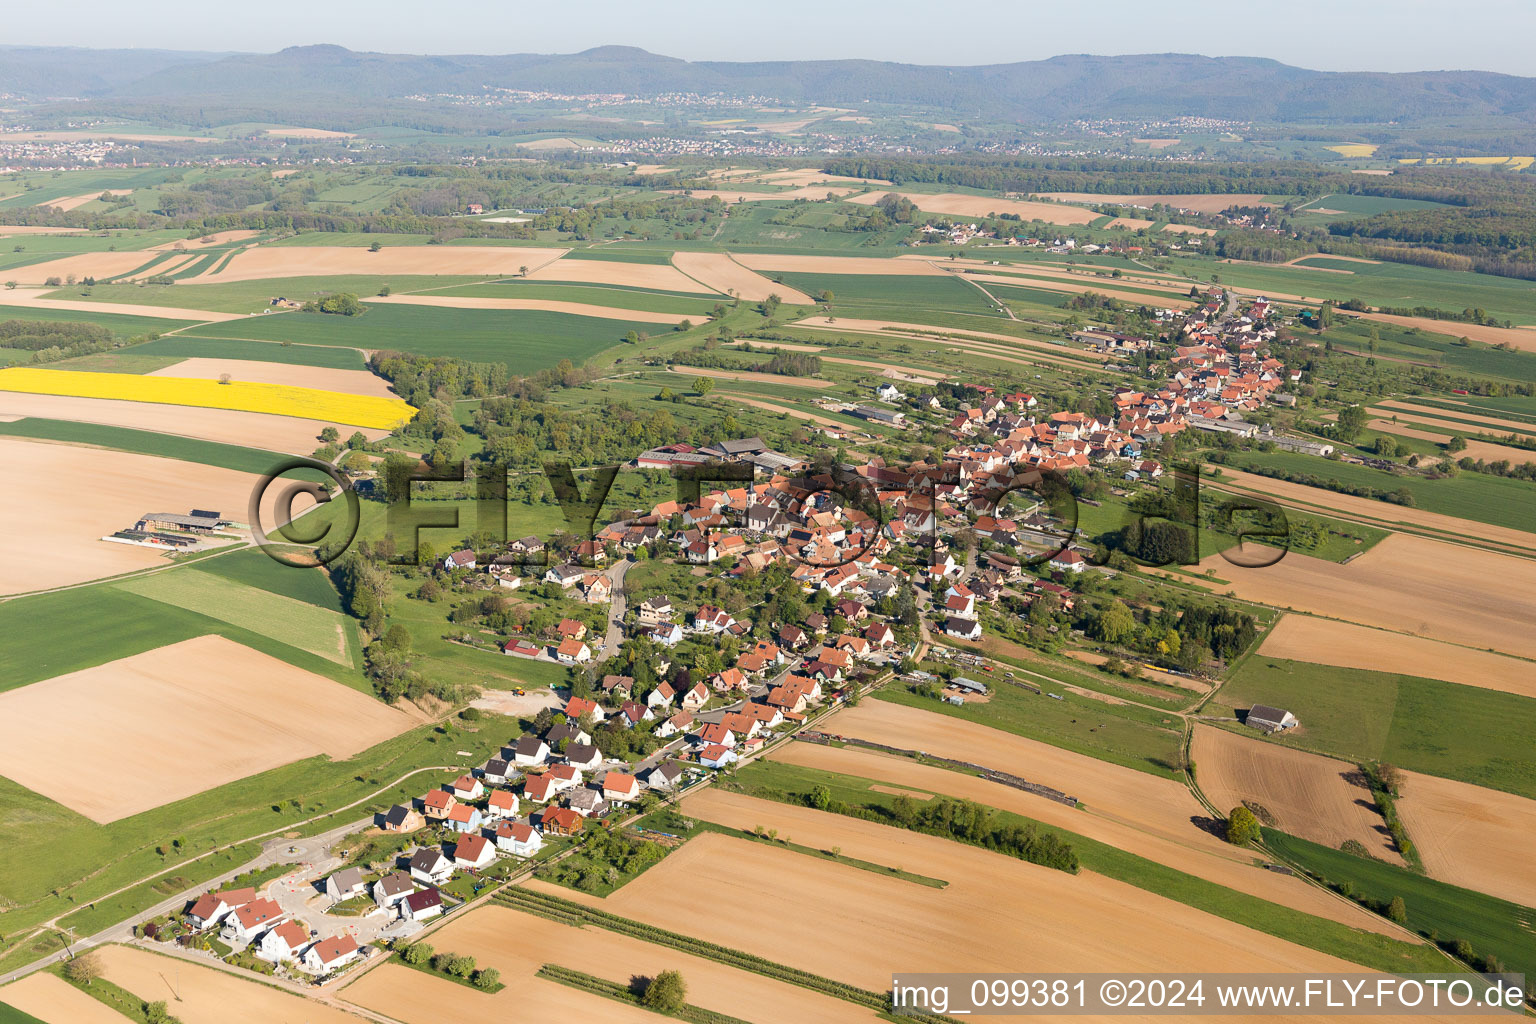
[1148, 86]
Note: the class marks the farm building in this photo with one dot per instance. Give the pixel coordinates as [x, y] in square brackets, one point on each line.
[196, 521]
[1262, 716]
[968, 685]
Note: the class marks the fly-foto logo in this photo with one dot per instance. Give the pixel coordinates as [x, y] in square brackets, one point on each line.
[842, 512]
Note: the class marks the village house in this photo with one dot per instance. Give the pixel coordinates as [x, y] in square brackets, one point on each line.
[962, 628]
[419, 906]
[587, 801]
[401, 818]
[663, 776]
[668, 634]
[331, 954]
[430, 867]
[249, 921]
[501, 804]
[530, 750]
[392, 888]
[211, 907]
[496, 771]
[460, 560]
[283, 943]
[562, 734]
[437, 804]
[345, 884]
[716, 756]
[680, 722]
[467, 787]
[654, 611]
[518, 838]
[572, 652]
[560, 821]
[583, 755]
[620, 787]
[464, 818]
[695, 698]
[716, 734]
[471, 853]
[572, 629]
[577, 707]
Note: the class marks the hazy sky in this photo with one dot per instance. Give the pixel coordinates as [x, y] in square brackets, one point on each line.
[1373, 35]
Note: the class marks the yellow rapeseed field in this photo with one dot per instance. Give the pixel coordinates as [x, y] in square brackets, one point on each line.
[1354, 149]
[244, 396]
[1514, 163]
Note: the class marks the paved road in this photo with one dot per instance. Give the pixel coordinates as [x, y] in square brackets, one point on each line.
[616, 607]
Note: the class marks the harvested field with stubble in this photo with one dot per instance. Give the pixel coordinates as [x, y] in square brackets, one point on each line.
[1159, 807]
[70, 202]
[1315, 797]
[722, 273]
[995, 913]
[85, 264]
[52, 999]
[1217, 862]
[653, 276]
[1386, 587]
[518, 944]
[196, 715]
[1470, 836]
[1484, 450]
[42, 298]
[351, 382]
[549, 305]
[204, 995]
[75, 496]
[259, 262]
[1329, 642]
[960, 205]
[229, 426]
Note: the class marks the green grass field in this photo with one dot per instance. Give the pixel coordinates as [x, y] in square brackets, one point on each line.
[189, 346]
[10, 1015]
[60, 863]
[1426, 725]
[853, 292]
[51, 634]
[1126, 735]
[1447, 912]
[186, 449]
[1362, 947]
[253, 296]
[1386, 284]
[255, 568]
[320, 631]
[122, 325]
[1434, 348]
[1498, 501]
[597, 295]
[528, 339]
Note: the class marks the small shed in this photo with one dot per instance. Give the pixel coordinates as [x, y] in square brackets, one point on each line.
[1271, 720]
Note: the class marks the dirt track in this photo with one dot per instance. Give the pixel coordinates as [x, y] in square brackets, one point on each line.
[1310, 796]
[1473, 837]
[1327, 642]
